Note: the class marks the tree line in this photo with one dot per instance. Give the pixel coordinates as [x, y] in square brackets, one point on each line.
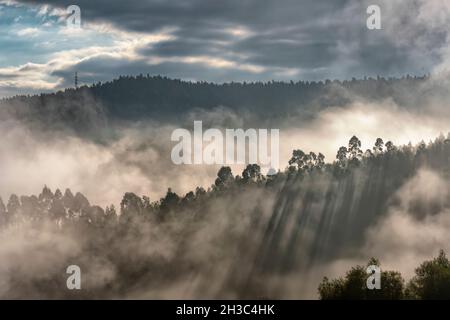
[163, 99]
[257, 225]
[350, 158]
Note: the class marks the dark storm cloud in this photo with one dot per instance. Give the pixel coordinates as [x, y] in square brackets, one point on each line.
[150, 15]
[183, 47]
[312, 39]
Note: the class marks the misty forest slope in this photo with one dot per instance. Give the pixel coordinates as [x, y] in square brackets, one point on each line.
[87, 110]
[248, 236]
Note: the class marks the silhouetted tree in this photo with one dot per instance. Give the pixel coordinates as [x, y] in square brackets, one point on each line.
[390, 146]
[378, 147]
[224, 177]
[432, 280]
[341, 157]
[80, 202]
[354, 151]
[68, 199]
[188, 198]
[58, 194]
[354, 285]
[169, 201]
[252, 173]
[320, 161]
[298, 159]
[131, 206]
[46, 195]
[199, 192]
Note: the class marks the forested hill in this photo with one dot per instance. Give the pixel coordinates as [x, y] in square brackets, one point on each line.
[161, 98]
[232, 237]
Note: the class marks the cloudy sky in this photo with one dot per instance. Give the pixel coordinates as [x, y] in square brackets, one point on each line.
[240, 40]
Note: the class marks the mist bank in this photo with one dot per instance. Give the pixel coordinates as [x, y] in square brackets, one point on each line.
[249, 236]
[119, 132]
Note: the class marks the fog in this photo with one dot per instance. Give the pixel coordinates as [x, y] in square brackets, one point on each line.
[209, 251]
[405, 238]
[253, 242]
[138, 160]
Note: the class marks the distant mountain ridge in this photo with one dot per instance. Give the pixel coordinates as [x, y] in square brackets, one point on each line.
[91, 110]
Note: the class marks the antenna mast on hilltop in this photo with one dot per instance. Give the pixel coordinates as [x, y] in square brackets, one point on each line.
[76, 80]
